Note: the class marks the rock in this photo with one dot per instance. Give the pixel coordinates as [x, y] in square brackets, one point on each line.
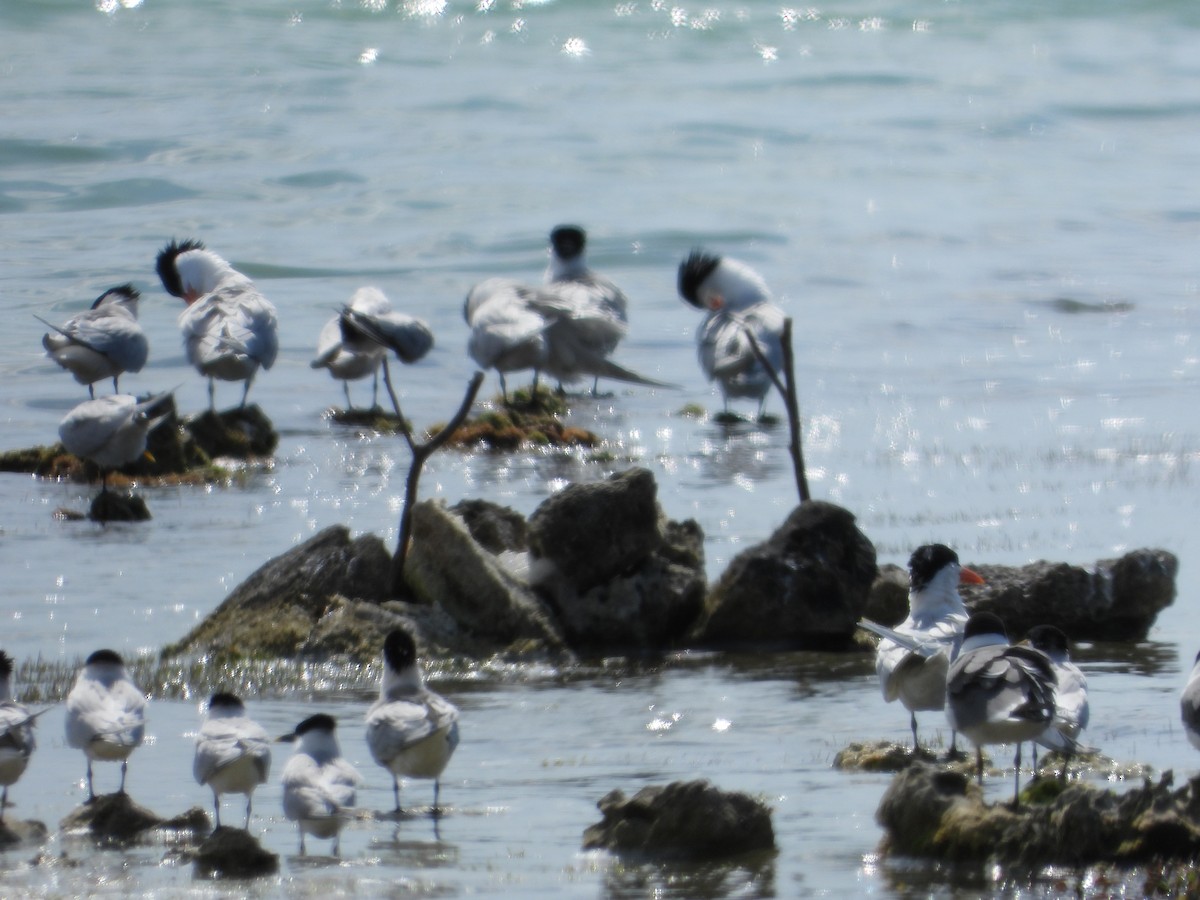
[495, 528]
[275, 610]
[1115, 600]
[683, 820]
[619, 575]
[806, 586]
[887, 603]
[933, 813]
[14, 832]
[109, 506]
[241, 433]
[595, 532]
[115, 817]
[448, 568]
[233, 853]
[880, 756]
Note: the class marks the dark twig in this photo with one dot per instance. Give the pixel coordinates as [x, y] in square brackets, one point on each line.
[788, 393]
[420, 453]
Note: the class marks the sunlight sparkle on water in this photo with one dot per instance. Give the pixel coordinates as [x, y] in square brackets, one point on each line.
[575, 46]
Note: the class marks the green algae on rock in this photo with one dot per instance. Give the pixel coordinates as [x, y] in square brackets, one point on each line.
[934, 813]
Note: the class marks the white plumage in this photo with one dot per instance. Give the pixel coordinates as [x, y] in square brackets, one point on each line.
[738, 305]
[319, 785]
[17, 741]
[1071, 707]
[110, 431]
[105, 341]
[229, 328]
[506, 333]
[912, 660]
[411, 730]
[233, 752]
[106, 713]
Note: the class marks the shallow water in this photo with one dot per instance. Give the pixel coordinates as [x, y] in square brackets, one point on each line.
[974, 215]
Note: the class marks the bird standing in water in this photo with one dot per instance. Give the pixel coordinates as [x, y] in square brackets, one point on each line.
[411, 731]
[319, 784]
[233, 752]
[106, 714]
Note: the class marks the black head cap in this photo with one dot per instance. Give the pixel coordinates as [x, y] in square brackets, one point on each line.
[926, 561]
[224, 698]
[106, 656]
[399, 650]
[165, 265]
[1048, 638]
[128, 291]
[568, 241]
[984, 623]
[319, 722]
[692, 273]
[6, 664]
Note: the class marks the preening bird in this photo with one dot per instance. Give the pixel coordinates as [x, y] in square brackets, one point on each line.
[106, 714]
[110, 431]
[319, 785]
[998, 693]
[1071, 708]
[105, 341]
[739, 306]
[233, 752]
[411, 731]
[17, 741]
[913, 658]
[370, 324]
[229, 328]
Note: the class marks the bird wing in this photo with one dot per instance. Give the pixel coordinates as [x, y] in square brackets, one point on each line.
[395, 725]
[16, 730]
[110, 330]
[115, 713]
[406, 336]
[225, 741]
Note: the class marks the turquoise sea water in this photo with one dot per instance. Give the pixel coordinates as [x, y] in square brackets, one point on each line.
[979, 216]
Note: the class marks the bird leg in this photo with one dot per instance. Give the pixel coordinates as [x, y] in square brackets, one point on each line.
[245, 392]
[217, 808]
[124, 766]
[246, 824]
[979, 765]
[1017, 778]
[91, 792]
[913, 723]
[396, 794]
[437, 787]
[374, 391]
[212, 395]
[3, 802]
[346, 388]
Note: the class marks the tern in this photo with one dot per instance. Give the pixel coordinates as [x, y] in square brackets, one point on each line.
[1071, 710]
[318, 783]
[233, 752]
[372, 324]
[17, 740]
[344, 353]
[507, 334]
[912, 660]
[1189, 705]
[229, 328]
[411, 731]
[110, 431]
[998, 693]
[592, 312]
[105, 341]
[106, 714]
[739, 305]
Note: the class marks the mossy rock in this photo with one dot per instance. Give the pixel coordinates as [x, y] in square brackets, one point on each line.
[240, 433]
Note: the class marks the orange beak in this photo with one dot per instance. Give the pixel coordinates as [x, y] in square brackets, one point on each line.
[969, 576]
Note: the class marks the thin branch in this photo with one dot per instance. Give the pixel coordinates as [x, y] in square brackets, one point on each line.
[790, 401]
[420, 453]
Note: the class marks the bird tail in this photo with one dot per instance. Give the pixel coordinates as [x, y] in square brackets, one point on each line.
[606, 368]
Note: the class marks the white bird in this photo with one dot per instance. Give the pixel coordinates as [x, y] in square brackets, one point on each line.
[1071, 708]
[739, 304]
[110, 431]
[318, 783]
[347, 356]
[105, 341]
[229, 328]
[233, 752]
[411, 731]
[106, 714]
[912, 660]
[373, 324]
[592, 313]
[506, 333]
[998, 693]
[1189, 705]
[17, 740]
